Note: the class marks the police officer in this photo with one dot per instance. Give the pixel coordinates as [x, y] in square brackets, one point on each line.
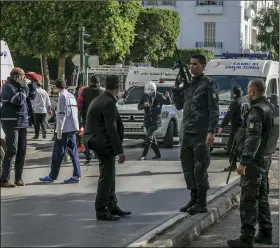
[104, 134]
[199, 100]
[84, 99]
[260, 141]
[15, 96]
[233, 116]
[67, 125]
[152, 102]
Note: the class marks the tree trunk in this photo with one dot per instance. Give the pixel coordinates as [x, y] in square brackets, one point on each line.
[46, 75]
[61, 65]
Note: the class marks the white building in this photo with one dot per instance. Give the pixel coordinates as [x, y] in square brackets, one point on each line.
[219, 26]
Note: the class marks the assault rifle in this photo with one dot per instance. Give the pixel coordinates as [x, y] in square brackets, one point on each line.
[184, 72]
[233, 156]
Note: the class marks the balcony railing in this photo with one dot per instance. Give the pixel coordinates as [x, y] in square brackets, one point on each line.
[207, 3]
[159, 3]
[209, 44]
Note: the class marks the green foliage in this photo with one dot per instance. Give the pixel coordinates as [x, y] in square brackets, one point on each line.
[51, 27]
[156, 33]
[263, 37]
[185, 55]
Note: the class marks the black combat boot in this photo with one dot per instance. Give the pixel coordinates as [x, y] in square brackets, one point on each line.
[115, 210]
[238, 243]
[156, 151]
[264, 237]
[200, 206]
[145, 151]
[191, 203]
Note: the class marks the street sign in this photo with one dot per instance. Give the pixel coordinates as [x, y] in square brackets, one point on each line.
[93, 61]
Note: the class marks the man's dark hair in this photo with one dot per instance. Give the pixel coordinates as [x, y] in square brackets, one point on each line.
[258, 84]
[112, 82]
[236, 90]
[200, 57]
[94, 80]
[38, 84]
[60, 84]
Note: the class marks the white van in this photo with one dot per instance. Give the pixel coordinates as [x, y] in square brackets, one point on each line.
[6, 66]
[142, 75]
[6, 62]
[229, 72]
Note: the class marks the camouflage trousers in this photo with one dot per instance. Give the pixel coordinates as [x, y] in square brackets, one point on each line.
[195, 160]
[254, 205]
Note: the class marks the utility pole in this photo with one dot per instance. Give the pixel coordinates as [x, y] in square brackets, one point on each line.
[83, 43]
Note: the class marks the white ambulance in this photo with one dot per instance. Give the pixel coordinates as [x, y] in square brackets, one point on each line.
[6, 62]
[229, 72]
[6, 66]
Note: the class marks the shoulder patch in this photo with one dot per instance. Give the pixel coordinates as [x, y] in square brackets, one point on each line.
[214, 95]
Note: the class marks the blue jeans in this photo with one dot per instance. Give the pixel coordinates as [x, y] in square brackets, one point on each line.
[66, 143]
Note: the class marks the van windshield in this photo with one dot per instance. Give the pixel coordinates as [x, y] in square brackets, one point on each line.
[226, 83]
[134, 94]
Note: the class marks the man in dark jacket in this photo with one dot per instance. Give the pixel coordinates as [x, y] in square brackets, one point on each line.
[104, 133]
[233, 116]
[152, 102]
[199, 100]
[258, 141]
[14, 119]
[84, 99]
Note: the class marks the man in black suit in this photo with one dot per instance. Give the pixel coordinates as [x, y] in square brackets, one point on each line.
[104, 134]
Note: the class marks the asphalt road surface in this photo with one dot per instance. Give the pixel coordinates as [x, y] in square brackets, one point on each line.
[63, 215]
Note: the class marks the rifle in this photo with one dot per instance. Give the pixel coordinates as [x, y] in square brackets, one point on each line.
[185, 74]
[233, 155]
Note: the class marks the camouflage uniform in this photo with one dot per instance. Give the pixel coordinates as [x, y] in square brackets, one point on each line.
[199, 101]
[261, 136]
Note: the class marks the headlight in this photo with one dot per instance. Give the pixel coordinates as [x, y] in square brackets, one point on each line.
[164, 114]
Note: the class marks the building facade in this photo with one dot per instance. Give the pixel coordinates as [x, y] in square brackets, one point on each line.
[219, 26]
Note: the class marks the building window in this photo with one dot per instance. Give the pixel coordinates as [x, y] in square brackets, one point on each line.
[210, 34]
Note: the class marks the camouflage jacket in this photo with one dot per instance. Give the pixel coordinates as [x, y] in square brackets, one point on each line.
[261, 131]
[200, 103]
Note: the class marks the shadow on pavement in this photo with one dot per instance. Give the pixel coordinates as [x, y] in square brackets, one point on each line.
[144, 173]
[69, 219]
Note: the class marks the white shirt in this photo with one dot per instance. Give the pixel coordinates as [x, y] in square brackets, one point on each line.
[66, 113]
[42, 102]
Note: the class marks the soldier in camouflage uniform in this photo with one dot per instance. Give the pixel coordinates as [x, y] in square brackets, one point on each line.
[258, 145]
[199, 101]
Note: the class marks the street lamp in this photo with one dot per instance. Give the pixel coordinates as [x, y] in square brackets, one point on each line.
[269, 29]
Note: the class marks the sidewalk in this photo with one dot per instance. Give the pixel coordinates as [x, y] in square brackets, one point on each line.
[229, 226]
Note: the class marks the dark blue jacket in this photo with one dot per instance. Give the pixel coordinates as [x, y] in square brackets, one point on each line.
[14, 110]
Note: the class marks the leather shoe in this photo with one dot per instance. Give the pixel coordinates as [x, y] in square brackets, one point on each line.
[106, 216]
[117, 211]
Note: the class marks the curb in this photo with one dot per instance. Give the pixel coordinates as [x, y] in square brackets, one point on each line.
[181, 229]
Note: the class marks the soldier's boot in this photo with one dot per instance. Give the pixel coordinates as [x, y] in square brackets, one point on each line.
[264, 237]
[191, 203]
[239, 243]
[201, 205]
[156, 151]
[145, 151]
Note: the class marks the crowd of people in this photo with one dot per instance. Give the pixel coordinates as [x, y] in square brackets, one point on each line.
[256, 122]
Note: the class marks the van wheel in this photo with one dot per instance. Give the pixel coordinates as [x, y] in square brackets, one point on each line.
[168, 140]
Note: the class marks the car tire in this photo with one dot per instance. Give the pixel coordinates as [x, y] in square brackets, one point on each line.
[168, 140]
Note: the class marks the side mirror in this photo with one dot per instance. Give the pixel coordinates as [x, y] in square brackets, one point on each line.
[121, 101]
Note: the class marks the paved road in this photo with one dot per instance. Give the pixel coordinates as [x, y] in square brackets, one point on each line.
[63, 215]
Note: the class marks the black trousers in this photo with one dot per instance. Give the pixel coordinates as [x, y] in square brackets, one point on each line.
[16, 141]
[106, 196]
[40, 121]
